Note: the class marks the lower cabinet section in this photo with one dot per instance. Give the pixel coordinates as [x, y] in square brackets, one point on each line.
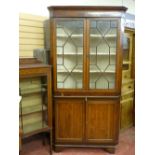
[87, 122]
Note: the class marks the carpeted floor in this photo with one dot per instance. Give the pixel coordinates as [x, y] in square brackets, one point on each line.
[126, 146]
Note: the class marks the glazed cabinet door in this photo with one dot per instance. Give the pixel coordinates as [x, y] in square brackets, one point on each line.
[69, 54]
[104, 54]
[102, 119]
[69, 120]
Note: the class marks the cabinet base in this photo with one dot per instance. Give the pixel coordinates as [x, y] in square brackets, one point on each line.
[107, 148]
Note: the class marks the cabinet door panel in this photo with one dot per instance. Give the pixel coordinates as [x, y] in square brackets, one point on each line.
[69, 120]
[102, 53]
[69, 53]
[102, 120]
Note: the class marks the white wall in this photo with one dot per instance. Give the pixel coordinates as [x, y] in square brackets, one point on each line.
[39, 7]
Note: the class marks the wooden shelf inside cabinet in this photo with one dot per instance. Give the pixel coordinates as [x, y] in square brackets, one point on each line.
[92, 71]
[32, 109]
[35, 111]
[35, 128]
[30, 91]
[70, 54]
[74, 36]
[91, 54]
[102, 54]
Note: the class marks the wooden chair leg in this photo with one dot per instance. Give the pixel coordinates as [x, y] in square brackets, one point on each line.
[20, 140]
[50, 141]
[44, 139]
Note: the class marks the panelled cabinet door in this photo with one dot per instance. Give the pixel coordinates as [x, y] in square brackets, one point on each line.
[69, 53]
[102, 121]
[103, 50]
[69, 115]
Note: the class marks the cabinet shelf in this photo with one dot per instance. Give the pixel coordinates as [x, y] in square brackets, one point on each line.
[81, 35]
[81, 71]
[103, 54]
[81, 54]
[106, 72]
[28, 91]
[32, 109]
[35, 128]
[72, 36]
[70, 54]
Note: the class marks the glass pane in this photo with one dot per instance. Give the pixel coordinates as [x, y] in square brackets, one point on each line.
[69, 54]
[126, 51]
[126, 42]
[103, 41]
[33, 106]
